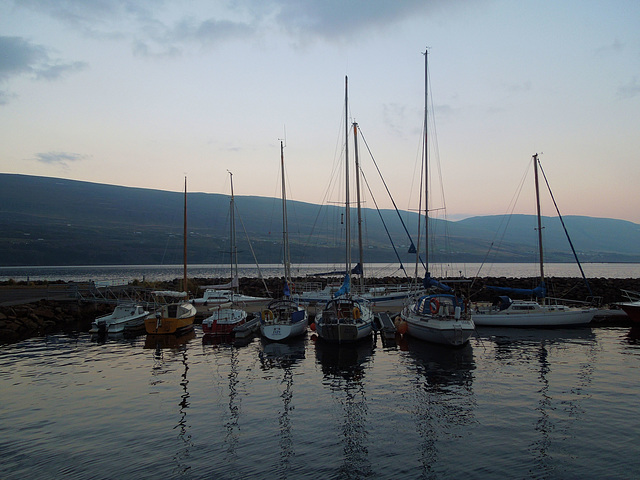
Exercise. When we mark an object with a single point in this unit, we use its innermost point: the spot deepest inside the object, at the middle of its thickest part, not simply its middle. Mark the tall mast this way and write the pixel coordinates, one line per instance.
(232, 236)
(346, 163)
(285, 234)
(360, 249)
(426, 159)
(184, 284)
(535, 170)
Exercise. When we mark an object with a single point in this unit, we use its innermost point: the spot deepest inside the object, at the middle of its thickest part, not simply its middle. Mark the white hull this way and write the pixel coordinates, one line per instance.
(215, 298)
(379, 298)
(283, 319)
(282, 331)
(440, 326)
(124, 317)
(535, 315)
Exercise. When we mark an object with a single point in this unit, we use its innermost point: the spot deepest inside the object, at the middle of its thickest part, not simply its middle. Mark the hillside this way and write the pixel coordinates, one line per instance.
(51, 221)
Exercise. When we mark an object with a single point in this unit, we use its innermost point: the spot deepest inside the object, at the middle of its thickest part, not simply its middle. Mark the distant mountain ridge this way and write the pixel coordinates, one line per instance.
(53, 221)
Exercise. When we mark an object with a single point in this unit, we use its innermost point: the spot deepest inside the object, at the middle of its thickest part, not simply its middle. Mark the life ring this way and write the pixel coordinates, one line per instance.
(434, 306)
(267, 314)
(356, 313)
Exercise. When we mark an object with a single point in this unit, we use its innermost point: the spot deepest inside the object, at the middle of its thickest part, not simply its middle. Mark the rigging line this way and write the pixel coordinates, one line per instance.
(575, 255)
(335, 171)
(383, 223)
(385, 186)
(252, 252)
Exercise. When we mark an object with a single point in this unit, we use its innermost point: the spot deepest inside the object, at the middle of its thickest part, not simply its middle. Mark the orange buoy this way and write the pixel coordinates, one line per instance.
(402, 327)
(313, 327)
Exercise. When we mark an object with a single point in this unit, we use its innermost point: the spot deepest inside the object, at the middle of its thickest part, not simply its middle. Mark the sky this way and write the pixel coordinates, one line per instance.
(141, 93)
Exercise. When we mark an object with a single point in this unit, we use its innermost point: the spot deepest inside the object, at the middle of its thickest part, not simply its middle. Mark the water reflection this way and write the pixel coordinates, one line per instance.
(633, 337)
(444, 399)
(557, 394)
(283, 356)
(226, 356)
(177, 345)
(344, 368)
(228, 340)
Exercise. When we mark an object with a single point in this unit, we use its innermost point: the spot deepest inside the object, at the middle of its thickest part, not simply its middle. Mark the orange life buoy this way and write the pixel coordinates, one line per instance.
(434, 306)
(267, 314)
(356, 313)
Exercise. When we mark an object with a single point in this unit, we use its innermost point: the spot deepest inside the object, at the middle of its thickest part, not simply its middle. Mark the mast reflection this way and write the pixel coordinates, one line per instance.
(444, 398)
(178, 346)
(284, 356)
(344, 368)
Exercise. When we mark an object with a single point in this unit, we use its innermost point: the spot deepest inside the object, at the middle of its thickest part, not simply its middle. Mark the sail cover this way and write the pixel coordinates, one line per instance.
(345, 288)
(539, 292)
(429, 282)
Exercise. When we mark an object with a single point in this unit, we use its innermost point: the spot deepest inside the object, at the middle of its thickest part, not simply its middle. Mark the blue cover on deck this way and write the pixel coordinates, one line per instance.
(297, 316)
(429, 282)
(539, 292)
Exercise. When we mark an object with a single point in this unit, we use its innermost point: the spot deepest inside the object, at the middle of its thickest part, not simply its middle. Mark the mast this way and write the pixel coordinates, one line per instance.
(426, 160)
(360, 248)
(285, 234)
(184, 284)
(346, 163)
(232, 236)
(535, 171)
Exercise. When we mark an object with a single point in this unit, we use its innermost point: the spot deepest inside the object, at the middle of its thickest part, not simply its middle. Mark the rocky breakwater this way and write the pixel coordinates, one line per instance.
(43, 317)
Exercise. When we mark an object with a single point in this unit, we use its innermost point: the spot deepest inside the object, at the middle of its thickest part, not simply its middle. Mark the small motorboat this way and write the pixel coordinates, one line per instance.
(126, 316)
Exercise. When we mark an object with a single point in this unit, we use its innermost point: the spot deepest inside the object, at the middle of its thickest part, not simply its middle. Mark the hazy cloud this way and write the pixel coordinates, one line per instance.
(19, 56)
(59, 158)
(143, 21)
(23, 57)
(629, 90)
(340, 19)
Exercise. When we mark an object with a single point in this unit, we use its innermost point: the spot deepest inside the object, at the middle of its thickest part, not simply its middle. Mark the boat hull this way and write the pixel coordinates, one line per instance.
(339, 323)
(438, 319)
(124, 317)
(283, 319)
(224, 321)
(167, 325)
(171, 319)
(632, 309)
(537, 318)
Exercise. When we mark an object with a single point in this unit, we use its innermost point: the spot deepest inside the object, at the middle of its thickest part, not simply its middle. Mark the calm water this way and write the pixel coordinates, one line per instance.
(127, 273)
(512, 404)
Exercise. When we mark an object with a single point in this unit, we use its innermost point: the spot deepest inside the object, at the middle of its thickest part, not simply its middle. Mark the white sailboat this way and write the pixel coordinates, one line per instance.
(346, 317)
(225, 317)
(531, 313)
(436, 317)
(284, 318)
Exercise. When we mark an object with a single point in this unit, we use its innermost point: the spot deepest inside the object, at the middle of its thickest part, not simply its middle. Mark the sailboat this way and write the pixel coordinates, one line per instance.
(216, 297)
(224, 319)
(346, 317)
(439, 317)
(173, 313)
(531, 313)
(284, 318)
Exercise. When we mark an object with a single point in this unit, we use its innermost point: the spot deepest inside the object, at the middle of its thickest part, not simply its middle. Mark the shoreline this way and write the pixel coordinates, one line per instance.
(42, 308)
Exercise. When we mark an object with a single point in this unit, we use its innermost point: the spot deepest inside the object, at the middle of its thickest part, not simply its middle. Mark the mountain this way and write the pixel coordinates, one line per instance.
(52, 221)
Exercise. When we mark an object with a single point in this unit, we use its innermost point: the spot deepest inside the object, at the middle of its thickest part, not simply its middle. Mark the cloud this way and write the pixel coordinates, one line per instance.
(23, 57)
(145, 22)
(629, 90)
(19, 56)
(59, 158)
(340, 19)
